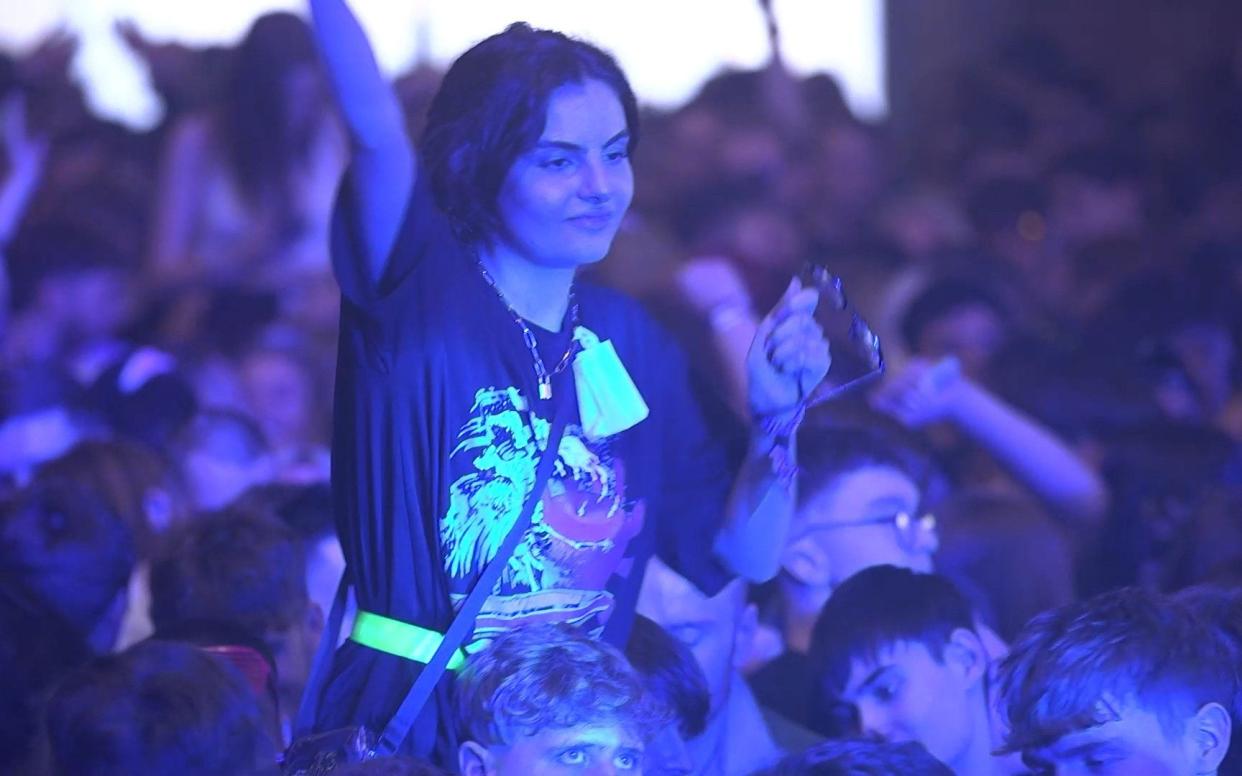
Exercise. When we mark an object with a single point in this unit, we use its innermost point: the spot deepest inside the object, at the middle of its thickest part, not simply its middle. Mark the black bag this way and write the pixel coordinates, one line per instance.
(321, 753)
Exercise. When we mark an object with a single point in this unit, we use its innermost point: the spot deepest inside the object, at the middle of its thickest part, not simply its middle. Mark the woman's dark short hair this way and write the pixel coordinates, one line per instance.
(492, 107)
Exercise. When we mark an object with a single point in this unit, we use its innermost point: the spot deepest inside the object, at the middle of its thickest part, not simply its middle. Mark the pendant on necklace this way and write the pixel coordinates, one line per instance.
(545, 389)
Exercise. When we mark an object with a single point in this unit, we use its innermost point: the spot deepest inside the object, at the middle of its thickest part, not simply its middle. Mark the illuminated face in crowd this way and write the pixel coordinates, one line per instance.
(865, 517)
(715, 628)
(1136, 743)
(563, 200)
(908, 694)
(598, 749)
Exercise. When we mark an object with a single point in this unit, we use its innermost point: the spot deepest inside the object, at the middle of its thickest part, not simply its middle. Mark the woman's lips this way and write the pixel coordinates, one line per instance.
(593, 221)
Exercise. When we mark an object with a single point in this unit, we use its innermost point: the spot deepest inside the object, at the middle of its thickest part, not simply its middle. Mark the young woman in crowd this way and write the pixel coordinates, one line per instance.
(462, 332)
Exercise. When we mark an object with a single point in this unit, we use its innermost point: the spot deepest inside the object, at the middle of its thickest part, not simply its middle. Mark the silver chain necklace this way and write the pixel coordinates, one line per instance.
(541, 371)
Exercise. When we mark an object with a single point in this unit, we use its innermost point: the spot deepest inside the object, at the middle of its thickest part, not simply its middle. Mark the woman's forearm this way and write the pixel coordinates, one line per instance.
(760, 509)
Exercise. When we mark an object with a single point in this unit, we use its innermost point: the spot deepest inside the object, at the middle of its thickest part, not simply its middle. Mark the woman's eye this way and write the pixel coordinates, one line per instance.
(616, 156)
(558, 163)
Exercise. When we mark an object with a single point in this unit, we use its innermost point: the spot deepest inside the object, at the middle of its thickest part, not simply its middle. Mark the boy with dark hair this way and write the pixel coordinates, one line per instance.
(861, 757)
(1129, 682)
(245, 569)
(547, 699)
(159, 708)
(903, 648)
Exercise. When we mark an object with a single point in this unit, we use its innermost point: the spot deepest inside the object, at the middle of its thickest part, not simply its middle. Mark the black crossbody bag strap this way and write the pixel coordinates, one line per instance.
(463, 623)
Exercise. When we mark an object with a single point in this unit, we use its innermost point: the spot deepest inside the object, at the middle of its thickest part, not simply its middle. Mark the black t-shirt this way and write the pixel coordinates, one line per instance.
(438, 430)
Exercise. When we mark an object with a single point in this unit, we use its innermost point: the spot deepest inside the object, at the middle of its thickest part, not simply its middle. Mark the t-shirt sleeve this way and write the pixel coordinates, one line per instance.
(695, 480)
(423, 229)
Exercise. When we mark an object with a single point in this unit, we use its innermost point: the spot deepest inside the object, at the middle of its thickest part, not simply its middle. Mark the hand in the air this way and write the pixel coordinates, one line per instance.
(922, 393)
(789, 356)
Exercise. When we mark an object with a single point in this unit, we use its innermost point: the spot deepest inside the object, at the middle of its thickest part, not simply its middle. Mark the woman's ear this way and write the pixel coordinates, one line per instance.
(1211, 729)
(473, 759)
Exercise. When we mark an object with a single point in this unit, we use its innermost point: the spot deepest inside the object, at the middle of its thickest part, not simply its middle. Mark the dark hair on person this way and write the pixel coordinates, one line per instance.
(876, 608)
(1221, 608)
(941, 297)
(233, 566)
(828, 452)
(260, 145)
(861, 757)
(671, 674)
(61, 542)
(157, 708)
(492, 107)
(537, 677)
(306, 509)
(136, 482)
(36, 649)
(248, 653)
(1124, 644)
(154, 411)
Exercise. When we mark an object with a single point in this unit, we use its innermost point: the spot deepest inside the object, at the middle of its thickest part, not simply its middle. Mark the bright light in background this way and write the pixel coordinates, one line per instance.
(667, 47)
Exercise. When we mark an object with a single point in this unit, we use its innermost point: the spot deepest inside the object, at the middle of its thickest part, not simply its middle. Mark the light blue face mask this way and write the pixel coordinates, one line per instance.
(608, 400)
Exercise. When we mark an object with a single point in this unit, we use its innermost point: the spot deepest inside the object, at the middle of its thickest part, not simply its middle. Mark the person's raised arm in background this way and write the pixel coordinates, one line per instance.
(926, 392)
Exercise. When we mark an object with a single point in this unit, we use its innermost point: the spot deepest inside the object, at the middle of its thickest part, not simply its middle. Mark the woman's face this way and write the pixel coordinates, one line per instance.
(563, 200)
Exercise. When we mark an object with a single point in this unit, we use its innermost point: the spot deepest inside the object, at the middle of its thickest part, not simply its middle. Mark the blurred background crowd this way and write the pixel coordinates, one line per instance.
(1053, 264)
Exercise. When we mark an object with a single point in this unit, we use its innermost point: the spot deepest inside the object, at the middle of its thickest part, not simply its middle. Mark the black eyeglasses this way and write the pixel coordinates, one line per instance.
(864, 340)
(911, 530)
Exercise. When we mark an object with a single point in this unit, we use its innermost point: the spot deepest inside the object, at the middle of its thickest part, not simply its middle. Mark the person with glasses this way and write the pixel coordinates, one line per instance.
(860, 498)
(859, 504)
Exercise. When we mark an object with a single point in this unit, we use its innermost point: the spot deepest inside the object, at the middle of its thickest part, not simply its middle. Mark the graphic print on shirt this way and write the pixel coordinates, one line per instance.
(579, 531)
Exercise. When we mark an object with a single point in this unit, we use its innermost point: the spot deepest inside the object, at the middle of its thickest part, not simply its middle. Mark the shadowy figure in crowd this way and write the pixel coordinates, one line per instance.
(157, 708)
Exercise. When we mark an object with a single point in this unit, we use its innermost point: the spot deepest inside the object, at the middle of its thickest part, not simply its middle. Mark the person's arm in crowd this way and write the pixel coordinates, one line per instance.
(926, 393)
(183, 165)
(383, 166)
(787, 358)
(716, 293)
(27, 154)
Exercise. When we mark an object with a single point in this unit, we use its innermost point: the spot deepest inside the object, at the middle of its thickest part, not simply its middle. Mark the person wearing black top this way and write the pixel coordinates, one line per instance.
(462, 324)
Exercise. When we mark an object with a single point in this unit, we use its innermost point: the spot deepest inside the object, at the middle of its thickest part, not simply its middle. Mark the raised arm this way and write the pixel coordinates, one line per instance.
(383, 165)
(926, 393)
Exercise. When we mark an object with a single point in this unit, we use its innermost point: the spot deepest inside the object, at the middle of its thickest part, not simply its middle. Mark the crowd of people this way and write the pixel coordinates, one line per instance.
(1019, 551)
